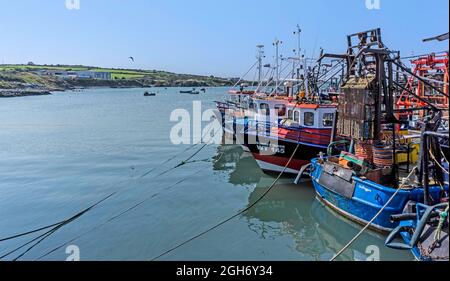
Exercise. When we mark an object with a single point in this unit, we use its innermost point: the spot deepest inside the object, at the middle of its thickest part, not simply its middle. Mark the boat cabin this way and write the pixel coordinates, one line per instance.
(310, 116)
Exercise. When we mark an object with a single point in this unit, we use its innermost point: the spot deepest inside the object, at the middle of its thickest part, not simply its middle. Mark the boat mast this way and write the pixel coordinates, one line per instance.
(277, 63)
(299, 53)
(260, 66)
(298, 33)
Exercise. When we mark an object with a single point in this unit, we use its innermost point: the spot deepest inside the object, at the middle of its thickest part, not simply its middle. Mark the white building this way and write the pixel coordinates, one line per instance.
(86, 74)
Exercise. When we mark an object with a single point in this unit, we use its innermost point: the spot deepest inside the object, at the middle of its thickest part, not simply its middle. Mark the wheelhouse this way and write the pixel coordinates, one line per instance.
(310, 116)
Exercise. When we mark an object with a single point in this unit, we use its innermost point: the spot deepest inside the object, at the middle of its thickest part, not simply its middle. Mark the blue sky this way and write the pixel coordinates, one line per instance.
(213, 37)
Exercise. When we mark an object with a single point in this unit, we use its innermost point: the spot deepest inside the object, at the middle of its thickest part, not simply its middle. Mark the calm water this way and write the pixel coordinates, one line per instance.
(61, 153)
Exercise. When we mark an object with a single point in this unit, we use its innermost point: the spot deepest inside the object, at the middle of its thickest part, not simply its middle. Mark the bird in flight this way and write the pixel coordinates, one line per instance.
(131, 58)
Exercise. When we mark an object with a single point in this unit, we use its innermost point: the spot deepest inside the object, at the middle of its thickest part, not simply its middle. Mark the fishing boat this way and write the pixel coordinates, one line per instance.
(292, 127)
(303, 128)
(360, 199)
(192, 92)
(281, 114)
(365, 183)
(424, 228)
(147, 94)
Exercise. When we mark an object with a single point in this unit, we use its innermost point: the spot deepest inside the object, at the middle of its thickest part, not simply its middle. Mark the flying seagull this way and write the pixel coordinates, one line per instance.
(438, 38)
(131, 58)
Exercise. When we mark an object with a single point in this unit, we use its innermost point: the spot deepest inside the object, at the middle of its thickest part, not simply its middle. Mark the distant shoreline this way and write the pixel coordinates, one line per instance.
(36, 80)
(13, 93)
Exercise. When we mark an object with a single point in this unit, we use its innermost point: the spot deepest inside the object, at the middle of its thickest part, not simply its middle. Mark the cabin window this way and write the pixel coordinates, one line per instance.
(328, 119)
(297, 116)
(308, 119)
(291, 114)
(280, 109)
(265, 109)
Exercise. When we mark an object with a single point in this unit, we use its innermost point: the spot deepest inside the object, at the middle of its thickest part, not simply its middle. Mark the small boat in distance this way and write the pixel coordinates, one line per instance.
(192, 92)
(147, 94)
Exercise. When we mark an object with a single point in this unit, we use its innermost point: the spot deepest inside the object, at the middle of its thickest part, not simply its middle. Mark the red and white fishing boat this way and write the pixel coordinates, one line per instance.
(306, 125)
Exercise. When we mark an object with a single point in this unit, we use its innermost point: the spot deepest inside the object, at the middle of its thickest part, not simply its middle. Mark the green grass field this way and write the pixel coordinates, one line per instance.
(153, 77)
(115, 73)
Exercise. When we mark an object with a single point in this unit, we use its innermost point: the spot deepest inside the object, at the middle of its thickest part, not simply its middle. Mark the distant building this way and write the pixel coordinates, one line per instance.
(100, 75)
(51, 72)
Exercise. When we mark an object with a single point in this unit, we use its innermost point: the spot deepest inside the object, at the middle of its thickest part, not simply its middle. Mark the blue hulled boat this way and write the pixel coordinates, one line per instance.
(365, 183)
(424, 227)
(361, 199)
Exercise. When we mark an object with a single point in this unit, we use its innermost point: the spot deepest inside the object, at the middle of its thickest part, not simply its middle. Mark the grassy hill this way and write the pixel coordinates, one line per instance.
(27, 74)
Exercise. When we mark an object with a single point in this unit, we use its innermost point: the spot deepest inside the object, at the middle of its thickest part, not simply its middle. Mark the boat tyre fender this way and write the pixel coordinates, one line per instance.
(417, 234)
(396, 234)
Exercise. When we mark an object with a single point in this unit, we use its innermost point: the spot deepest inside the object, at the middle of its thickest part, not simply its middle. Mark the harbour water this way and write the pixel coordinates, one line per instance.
(62, 153)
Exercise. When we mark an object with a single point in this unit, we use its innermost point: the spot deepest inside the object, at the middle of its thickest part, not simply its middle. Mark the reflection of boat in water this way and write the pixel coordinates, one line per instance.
(241, 165)
(292, 212)
(317, 233)
(337, 231)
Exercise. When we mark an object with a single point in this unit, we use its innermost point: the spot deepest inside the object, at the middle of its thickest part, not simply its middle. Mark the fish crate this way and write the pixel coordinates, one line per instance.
(348, 160)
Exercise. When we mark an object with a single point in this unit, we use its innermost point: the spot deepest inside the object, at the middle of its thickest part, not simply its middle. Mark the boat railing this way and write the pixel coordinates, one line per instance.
(303, 133)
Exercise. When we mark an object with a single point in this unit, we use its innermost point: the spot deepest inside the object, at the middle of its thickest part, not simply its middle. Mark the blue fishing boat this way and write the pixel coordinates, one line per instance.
(360, 199)
(424, 228)
(365, 183)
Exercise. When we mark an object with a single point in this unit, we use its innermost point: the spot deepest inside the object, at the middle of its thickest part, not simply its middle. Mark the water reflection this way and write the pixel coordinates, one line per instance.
(293, 210)
(240, 166)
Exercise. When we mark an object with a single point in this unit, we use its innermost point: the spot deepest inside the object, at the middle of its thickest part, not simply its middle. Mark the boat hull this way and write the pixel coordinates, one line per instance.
(366, 199)
(274, 156)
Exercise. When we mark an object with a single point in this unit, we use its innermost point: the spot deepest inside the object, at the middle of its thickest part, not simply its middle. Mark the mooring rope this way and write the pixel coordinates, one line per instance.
(54, 227)
(232, 217)
(168, 160)
(31, 231)
(184, 162)
(437, 162)
(376, 216)
(122, 213)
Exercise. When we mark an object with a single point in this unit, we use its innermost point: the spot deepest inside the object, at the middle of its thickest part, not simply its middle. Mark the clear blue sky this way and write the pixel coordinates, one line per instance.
(216, 37)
